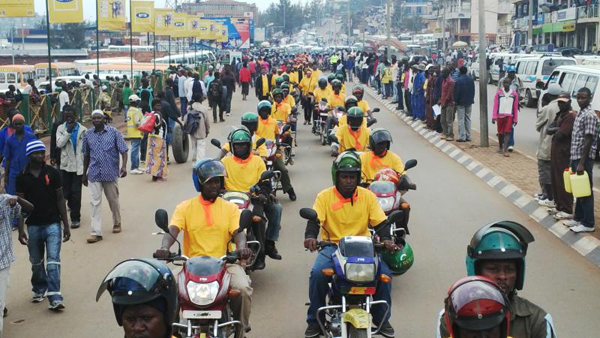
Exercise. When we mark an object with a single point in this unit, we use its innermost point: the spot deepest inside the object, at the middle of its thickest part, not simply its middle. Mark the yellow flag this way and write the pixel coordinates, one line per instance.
(179, 25)
(143, 16)
(204, 30)
(16, 8)
(62, 11)
(163, 21)
(111, 15)
(193, 26)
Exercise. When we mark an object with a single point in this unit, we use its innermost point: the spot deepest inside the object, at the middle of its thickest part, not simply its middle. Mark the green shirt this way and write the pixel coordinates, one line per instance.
(127, 92)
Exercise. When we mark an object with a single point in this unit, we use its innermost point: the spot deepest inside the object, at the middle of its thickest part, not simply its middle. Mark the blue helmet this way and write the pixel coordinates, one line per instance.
(511, 69)
(205, 169)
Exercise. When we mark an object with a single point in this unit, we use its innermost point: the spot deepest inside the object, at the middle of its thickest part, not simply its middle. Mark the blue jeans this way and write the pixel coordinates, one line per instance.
(170, 127)
(45, 277)
(584, 206)
(395, 90)
(135, 153)
(273, 213)
(183, 101)
(511, 139)
(318, 287)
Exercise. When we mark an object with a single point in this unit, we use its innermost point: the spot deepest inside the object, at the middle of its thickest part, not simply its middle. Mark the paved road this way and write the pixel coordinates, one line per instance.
(448, 207)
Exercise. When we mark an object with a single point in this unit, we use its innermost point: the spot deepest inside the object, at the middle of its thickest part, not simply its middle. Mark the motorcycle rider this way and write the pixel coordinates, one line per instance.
(380, 156)
(287, 97)
(359, 92)
(144, 297)
(353, 136)
(243, 172)
(279, 110)
(250, 121)
(208, 222)
(307, 86)
(477, 307)
(497, 251)
(345, 210)
(340, 77)
(337, 96)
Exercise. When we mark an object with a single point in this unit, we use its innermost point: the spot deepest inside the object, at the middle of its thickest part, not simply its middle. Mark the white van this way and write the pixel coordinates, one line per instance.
(573, 78)
(534, 69)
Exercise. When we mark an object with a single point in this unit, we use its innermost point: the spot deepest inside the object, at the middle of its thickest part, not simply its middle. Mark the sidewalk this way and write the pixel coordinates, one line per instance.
(515, 178)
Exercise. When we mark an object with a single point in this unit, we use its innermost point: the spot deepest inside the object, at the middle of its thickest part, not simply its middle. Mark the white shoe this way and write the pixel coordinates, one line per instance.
(547, 203)
(582, 228)
(562, 215)
(136, 171)
(571, 223)
(538, 196)
(511, 148)
(552, 211)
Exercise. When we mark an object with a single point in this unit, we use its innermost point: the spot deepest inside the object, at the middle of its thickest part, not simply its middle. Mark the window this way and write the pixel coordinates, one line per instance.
(554, 77)
(11, 78)
(531, 67)
(567, 81)
(2, 78)
(550, 64)
(41, 72)
(521, 67)
(588, 81)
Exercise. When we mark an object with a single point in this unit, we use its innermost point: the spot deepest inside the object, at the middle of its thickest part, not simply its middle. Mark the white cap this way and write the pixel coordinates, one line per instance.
(134, 98)
(98, 112)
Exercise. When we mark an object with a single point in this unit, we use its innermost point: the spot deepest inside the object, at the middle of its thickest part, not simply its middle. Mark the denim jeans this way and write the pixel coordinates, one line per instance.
(4, 279)
(388, 89)
(395, 91)
(463, 114)
(318, 287)
(170, 127)
(183, 102)
(584, 206)
(273, 213)
(45, 276)
(135, 153)
(511, 139)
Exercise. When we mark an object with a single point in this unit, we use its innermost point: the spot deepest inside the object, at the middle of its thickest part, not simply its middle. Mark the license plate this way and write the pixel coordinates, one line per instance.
(362, 290)
(191, 314)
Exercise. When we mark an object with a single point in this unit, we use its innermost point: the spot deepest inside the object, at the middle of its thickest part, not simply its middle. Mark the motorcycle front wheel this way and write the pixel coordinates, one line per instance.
(357, 333)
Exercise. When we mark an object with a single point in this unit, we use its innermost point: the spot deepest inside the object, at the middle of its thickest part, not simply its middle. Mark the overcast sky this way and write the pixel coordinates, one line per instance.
(89, 10)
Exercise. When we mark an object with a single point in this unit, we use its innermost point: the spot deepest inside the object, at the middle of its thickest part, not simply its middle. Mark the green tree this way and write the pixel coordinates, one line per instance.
(68, 35)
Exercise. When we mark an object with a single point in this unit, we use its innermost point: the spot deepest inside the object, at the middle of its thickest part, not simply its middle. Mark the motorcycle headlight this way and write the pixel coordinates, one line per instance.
(202, 293)
(386, 203)
(360, 272)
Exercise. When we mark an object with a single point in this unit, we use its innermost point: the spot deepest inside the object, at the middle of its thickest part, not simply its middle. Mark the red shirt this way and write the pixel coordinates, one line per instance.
(245, 74)
(447, 92)
(252, 66)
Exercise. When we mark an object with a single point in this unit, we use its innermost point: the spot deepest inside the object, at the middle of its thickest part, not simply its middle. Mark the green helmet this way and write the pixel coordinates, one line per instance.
(240, 135)
(277, 91)
(379, 135)
(336, 83)
(285, 86)
(264, 104)
(350, 102)
(279, 80)
(330, 78)
(348, 161)
(355, 117)
(250, 121)
(340, 77)
(286, 78)
(504, 240)
(399, 262)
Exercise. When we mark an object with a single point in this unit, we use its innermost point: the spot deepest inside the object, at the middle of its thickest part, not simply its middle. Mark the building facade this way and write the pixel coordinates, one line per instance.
(222, 9)
(462, 21)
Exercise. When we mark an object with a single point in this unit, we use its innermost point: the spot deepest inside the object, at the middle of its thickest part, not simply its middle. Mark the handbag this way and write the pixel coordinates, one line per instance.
(147, 124)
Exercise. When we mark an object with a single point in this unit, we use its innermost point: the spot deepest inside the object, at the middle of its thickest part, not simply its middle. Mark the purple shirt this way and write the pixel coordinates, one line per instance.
(104, 149)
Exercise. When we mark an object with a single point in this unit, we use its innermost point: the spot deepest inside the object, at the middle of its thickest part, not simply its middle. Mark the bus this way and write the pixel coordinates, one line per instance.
(188, 58)
(16, 75)
(127, 48)
(58, 69)
(120, 69)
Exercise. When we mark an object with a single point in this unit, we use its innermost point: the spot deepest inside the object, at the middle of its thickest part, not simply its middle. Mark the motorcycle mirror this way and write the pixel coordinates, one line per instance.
(376, 110)
(245, 220)
(266, 175)
(260, 142)
(286, 128)
(410, 164)
(215, 143)
(395, 216)
(371, 122)
(161, 217)
(308, 214)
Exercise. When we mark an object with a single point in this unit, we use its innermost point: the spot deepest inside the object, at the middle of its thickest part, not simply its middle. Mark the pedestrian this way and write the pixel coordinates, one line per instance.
(157, 145)
(228, 81)
(10, 208)
(418, 94)
(196, 124)
(102, 146)
(41, 185)
(447, 104)
(170, 96)
(215, 98)
(408, 76)
(69, 139)
(400, 85)
(146, 88)
(181, 91)
(505, 114)
(387, 80)
(430, 100)
(464, 97)
(14, 152)
(170, 116)
(134, 120)
(561, 130)
(583, 151)
(127, 92)
(516, 84)
(209, 77)
(545, 117)
(245, 80)
(63, 97)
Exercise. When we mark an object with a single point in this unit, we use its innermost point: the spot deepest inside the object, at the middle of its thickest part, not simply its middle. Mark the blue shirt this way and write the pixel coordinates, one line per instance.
(208, 79)
(74, 133)
(464, 91)
(14, 150)
(104, 149)
(4, 134)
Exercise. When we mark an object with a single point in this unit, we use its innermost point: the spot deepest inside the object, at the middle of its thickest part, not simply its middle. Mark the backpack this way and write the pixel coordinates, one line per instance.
(192, 123)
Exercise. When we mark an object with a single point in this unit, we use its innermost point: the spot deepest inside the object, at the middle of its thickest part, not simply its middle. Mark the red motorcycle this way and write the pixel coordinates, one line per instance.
(203, 286)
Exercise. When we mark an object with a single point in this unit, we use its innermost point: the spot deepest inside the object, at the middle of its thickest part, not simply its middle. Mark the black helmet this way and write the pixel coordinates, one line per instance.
(355, 117)
(379, 135)
(336, 83)
(350, 102)
(205, 169)
(322, 82)
(142, 281)
(357, 91)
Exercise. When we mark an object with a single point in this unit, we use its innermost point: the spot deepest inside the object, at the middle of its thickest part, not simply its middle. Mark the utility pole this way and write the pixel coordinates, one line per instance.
(387, 28)
(483, 108)
(530, 28)
(131, 39)
(349, 23)
(444, 41)
(49, 48)
(97, 40)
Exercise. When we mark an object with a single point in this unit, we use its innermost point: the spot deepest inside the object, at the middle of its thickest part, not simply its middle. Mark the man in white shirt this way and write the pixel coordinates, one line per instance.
(63, 97)
(395, 78)
(183, 100)
(189, 83)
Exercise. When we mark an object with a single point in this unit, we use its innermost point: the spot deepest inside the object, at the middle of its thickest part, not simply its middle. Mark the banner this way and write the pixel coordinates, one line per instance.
(143, 16)
(111, 15)
(62, 11)
(243, 30)
(222, 36)
(193, 26)
(179, 25)
(16, 8)
(164, 21)
(204, 32)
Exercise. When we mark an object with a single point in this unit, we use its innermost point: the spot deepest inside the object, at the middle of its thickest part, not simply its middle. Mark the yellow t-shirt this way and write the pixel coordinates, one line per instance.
(242, 174)
(317, 74)
(347, 219)
(289, 100)
(343, 90)
(343, 121)
(336, 100)
(201, 238)
(347, 140)
(308, 84)
(364, 105)
(293, 77)
(134, 118)
(265, 85)
(280, 111)
(262, 150)
(267, 128)
(371, 164)
(321, 93)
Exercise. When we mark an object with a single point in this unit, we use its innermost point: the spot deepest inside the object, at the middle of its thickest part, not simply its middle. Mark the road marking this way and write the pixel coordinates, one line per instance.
(586, 244)
(484, 171)
(522, 201)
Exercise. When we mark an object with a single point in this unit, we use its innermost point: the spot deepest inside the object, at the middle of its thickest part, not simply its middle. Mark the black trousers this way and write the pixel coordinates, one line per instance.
(400, 85)
(407, 101)
(72, 190)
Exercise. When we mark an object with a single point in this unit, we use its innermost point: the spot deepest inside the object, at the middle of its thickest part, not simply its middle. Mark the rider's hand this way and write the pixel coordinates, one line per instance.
(311, 244)
(390, 246)
(162, 253)
(245, 253)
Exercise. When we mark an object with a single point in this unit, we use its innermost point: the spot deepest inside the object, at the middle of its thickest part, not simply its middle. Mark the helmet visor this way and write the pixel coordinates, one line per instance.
(211, 169)
(478, 305)
(130, 282)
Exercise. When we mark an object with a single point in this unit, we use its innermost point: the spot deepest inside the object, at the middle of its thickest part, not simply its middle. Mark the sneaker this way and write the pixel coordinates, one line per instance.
(562, 215)
(313, 330)
(75, 224)
(552, 211)
(292, 194)
(136, 171)
(450, 138)
(56, 305)
(539, 196)
(116, 228)
(387, 330)
(511, 148)
(571, 223)
(582, 228)
(94, 239)
(38, 297)
(547, 203)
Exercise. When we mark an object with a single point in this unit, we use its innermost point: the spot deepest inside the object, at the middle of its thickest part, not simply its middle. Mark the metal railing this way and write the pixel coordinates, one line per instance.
(587, 12)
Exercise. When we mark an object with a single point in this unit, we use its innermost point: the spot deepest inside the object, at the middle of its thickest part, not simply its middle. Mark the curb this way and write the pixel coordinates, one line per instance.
(585, 244)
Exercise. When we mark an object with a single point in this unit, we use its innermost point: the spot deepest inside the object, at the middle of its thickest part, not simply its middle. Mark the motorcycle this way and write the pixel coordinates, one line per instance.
(353, 284)
(203, 287)
(285, 142)
(340, 111)
(320, 123)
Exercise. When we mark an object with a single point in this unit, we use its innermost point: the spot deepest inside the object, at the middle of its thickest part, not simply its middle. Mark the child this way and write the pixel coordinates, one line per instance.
(134, 119)
(197, 126)
(506, 109)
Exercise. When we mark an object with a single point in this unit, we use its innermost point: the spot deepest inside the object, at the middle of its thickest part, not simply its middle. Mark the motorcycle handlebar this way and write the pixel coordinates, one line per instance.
(173, 257)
